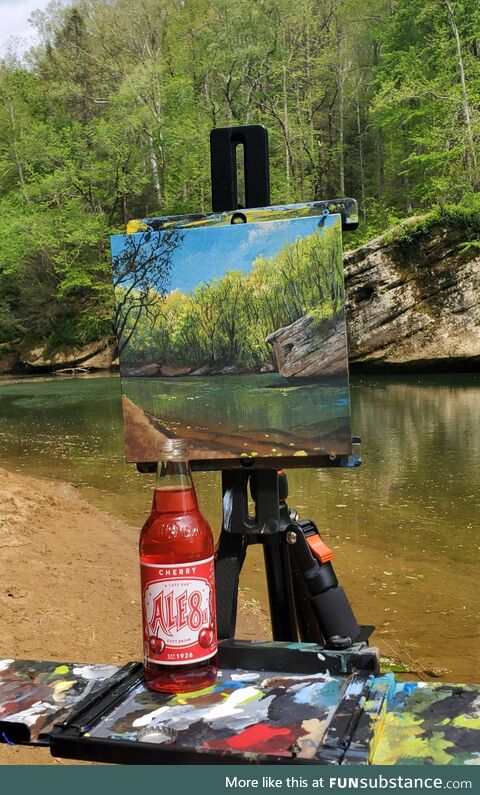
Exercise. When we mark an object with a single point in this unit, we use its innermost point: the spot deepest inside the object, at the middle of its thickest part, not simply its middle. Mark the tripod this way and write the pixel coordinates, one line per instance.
(306, 601)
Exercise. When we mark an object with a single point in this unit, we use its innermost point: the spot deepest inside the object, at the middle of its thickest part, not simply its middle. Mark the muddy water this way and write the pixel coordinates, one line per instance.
(404, 526)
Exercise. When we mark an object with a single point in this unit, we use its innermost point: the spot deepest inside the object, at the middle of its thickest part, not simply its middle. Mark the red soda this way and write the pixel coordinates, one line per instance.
(178, 588)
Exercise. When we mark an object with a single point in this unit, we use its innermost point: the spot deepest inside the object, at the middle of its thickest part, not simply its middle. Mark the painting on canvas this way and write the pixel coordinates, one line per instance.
(234, 338)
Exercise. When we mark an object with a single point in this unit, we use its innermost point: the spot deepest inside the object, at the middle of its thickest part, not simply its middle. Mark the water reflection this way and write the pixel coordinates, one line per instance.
(404, 525)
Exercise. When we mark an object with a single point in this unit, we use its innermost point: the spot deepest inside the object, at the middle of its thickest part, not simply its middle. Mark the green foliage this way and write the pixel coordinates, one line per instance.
(225, 322)
(107, 119)
(465, 217)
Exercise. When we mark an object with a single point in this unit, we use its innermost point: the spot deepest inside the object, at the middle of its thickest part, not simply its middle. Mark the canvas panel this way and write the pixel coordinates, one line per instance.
(233, 337)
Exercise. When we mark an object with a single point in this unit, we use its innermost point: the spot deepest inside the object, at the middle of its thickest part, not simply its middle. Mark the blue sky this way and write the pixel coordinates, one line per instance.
(208, 253)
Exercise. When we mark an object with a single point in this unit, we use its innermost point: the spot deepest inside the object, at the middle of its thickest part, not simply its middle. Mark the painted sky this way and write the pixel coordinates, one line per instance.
(208, 253)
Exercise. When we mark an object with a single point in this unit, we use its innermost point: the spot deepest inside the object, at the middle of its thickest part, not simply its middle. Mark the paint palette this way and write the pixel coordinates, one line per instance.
(34, 695)
(271, 702)
(265, 713)
(289, 704)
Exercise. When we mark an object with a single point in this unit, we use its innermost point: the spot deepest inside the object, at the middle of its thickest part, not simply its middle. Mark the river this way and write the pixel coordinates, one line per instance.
(404, 526)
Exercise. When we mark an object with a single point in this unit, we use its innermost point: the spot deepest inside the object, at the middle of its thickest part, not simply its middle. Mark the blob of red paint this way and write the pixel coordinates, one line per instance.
(261, 738)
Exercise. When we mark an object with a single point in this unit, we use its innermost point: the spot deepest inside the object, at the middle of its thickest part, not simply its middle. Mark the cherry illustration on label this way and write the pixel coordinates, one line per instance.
(206, 637)
(157, 645)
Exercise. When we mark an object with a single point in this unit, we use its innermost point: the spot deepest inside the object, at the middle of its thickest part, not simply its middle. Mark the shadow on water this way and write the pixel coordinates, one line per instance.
(403, 525)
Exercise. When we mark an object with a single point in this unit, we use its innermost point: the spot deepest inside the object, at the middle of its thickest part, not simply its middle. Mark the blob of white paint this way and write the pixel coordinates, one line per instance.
(29, 716)
(144, 720)
(231, 705)
(95, 671)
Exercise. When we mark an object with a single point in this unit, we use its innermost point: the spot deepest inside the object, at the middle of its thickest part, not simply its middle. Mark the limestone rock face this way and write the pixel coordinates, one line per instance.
(414, 303)
(174, 372)
(145, 371)
(308, 347)
(96, 356)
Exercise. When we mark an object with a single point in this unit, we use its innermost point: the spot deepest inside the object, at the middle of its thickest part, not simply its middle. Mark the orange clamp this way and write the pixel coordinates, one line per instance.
(319, 548)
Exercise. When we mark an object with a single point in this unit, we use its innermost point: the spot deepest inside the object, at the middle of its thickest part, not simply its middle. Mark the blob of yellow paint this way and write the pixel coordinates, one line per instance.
(61, 669)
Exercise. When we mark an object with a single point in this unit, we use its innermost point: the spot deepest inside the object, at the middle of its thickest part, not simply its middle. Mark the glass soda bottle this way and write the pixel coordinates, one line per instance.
(177, 576)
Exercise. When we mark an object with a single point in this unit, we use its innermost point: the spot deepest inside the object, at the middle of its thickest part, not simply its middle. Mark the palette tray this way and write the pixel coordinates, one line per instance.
(264, 715)
(280, 703)
(271, 702)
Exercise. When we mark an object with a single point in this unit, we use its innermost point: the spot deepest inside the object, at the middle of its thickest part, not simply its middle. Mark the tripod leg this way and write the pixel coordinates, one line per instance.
(280, 591)
(228, 565)
(264, 486)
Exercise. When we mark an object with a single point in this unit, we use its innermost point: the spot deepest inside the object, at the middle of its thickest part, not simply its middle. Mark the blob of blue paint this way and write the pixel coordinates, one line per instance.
(7, 740)
(319, 694)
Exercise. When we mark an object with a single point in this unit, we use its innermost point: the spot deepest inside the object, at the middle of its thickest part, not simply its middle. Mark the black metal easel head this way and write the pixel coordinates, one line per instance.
(227, 144)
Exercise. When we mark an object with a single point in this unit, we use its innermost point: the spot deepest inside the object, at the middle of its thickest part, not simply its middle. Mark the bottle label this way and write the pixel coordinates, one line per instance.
(179, 612)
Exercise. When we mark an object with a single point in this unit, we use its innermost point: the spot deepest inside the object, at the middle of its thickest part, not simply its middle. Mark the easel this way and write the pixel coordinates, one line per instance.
(305, 599)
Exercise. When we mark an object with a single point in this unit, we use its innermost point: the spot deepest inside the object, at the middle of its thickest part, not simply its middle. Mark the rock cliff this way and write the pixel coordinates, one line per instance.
(309, 347)
(413, 298)
(95, 356)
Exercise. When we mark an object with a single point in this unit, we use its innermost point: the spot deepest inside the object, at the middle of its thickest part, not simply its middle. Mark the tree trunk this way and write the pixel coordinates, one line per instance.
(361, 159)
(20, 173)
(341, 135)
(155, 169)
(467, 113)
(406, 181)
(285, 122)
(380, 165)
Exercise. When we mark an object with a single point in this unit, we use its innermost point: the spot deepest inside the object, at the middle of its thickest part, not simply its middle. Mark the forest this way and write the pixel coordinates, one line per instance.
(107, 118)
(225, 322)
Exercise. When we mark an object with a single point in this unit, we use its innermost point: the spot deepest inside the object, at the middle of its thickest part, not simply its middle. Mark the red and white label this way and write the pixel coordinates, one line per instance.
(179, 612)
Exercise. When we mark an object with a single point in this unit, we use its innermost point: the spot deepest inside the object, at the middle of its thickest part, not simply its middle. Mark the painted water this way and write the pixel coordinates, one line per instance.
(404, 526)
(237, 415)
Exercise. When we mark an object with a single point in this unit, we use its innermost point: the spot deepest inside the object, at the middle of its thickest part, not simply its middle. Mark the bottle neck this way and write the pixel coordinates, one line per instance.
(174, 489)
